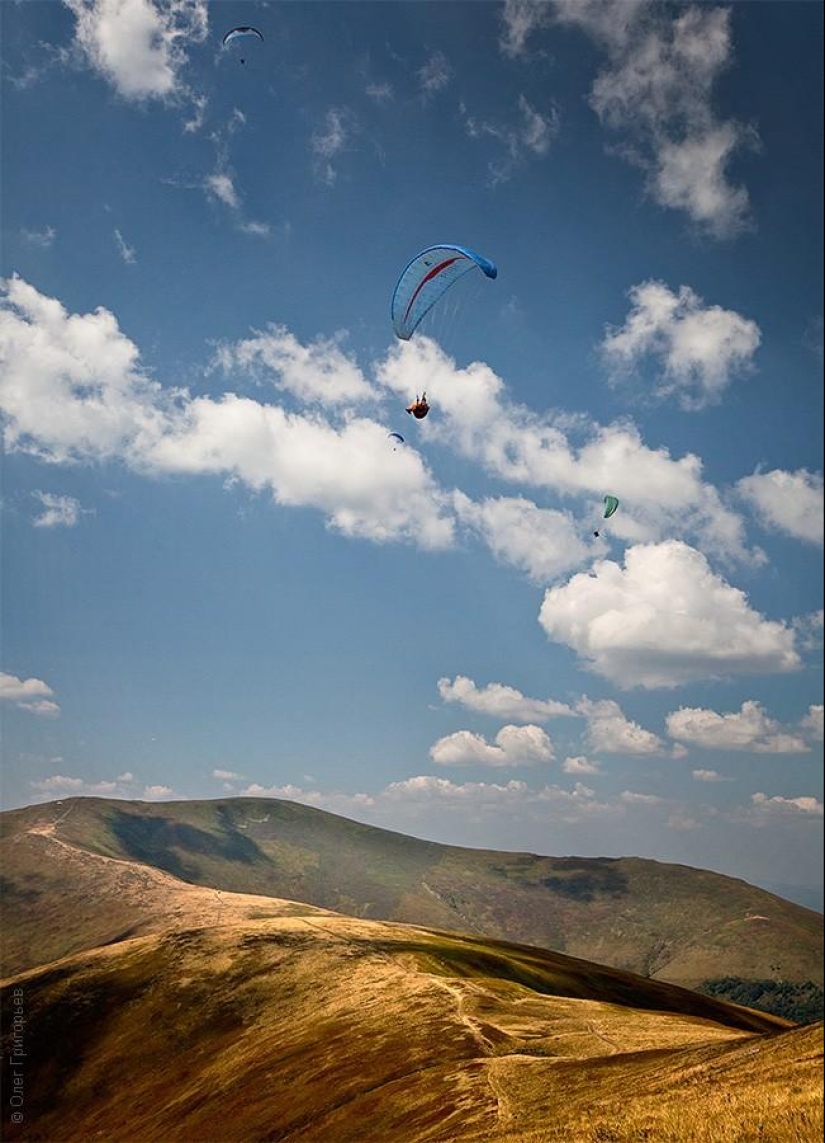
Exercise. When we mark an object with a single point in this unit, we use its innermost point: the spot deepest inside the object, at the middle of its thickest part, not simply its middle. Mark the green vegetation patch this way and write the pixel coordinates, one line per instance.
(801, 1002)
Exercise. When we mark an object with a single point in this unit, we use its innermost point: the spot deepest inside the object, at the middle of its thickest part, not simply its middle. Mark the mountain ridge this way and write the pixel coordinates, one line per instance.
(665, 921)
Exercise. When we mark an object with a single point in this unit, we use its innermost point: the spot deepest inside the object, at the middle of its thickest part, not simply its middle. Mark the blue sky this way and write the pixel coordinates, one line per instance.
(220, 578)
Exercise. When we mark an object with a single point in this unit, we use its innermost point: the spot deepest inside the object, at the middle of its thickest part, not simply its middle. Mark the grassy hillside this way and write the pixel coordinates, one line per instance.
(329, 1028)
(668, 922)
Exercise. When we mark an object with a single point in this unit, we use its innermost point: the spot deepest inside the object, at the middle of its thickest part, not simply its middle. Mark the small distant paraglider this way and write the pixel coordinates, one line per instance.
(240, 35)
(396, 439)
(611, 503)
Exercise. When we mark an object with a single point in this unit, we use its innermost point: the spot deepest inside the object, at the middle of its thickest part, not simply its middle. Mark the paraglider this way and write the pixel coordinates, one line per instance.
(611, 503)
(419, 408)
(422, 284)
(427, 278)
(396, 438)
(241, 33)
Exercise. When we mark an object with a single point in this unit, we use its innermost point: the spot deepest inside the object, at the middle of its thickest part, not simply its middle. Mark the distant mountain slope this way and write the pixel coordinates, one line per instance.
(315, 1029)
(59, 899)
(668, 922)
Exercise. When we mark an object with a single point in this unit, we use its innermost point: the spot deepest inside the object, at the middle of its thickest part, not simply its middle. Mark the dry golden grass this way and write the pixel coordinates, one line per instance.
(324, 1029)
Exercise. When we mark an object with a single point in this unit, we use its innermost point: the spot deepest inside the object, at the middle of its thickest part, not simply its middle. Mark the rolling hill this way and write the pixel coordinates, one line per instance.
(319, 1028)
(666, 922)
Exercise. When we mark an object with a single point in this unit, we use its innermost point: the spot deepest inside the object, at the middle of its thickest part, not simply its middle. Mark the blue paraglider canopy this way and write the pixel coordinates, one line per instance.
(427, 278)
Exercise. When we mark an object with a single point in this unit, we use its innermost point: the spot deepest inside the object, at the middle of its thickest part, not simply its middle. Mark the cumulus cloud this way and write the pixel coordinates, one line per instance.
(812, 723)
(139, 46)
(425, 793)
(157, 793)
(60, 784)
(611, 732)
(790, 502)
(72, 388)
(663, 619)
(319, 372)
(580, 765)
(747, 729)
(707, 776)
(514, 746)
(31, 694)
(656, 92)
(661, 495)
(699, 348)
(500, 701)
(226, 775)
(59, 511)
(632, 798)
(542, 542)
(778, 805)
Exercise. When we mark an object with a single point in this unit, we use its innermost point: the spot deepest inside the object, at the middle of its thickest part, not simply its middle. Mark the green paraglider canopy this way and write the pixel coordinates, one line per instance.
(611, 503)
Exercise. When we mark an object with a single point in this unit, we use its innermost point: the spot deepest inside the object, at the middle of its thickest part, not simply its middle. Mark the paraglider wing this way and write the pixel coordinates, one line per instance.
(396, 437)
(236, 34)
(611, 503)
(426, 278)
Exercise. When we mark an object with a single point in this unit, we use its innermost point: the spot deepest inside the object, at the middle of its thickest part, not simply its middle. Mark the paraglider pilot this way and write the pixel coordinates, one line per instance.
(419, 408)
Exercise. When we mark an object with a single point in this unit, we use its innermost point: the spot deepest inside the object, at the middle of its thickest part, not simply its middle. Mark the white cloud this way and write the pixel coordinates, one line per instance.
(31, 694)
(630, 798)
(72, 388)
(700, 348)
(747, 729)
(663, 619)
(580, 765)
(126, 252)
(542, 542)
(611, 732)
(59, 783)
(256, 229)
(514, 746)
(708, 776)
(221, 185)
(139, 46)
(435, 74)
(813, 721)
(156, 793)
(319, 372)
(791, 502)
(226, 775)
(380, 92)
(500, 701)
(58, 511)
(330, 140)
(809, 630)
(661, 496)
(657, 88)
(785, 806)
(531, 133)
(42, 238)
(520, 18)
